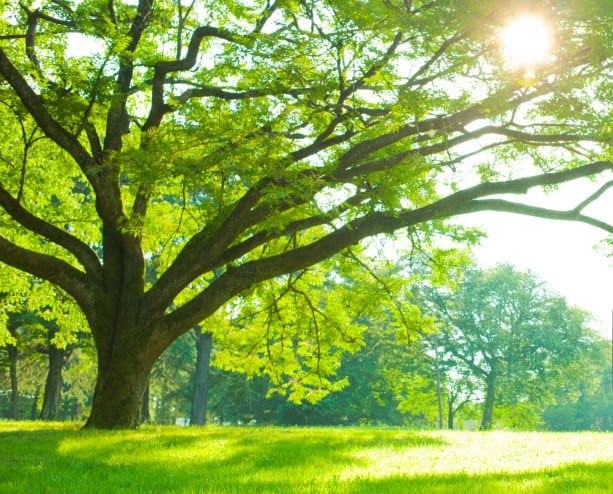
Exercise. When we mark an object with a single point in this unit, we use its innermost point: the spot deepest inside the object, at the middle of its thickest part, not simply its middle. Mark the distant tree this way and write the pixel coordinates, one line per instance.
(170, 385)
(503, 328)
(25, 365)
(41, 321)
(200, 394)
(585, 403)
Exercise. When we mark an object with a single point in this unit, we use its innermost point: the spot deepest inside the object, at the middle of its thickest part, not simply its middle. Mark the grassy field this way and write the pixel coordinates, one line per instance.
(58, 458)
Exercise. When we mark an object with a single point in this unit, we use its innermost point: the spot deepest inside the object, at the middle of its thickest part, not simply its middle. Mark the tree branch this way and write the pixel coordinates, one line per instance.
(438, 54)
(80, 250)
(190, 263)
(117, 121)
(539, 138)
(46, 122)
(158, 106)
(582, 205)
(199, 91)
(236, 280)
(506, 97)
(517, 208)
(46, 267)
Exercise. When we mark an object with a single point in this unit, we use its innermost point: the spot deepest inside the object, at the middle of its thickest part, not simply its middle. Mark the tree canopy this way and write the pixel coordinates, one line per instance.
(161, 157)
(505, 331)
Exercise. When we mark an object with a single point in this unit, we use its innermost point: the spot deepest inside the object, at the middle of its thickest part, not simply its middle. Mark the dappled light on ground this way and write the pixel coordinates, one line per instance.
(317, 460)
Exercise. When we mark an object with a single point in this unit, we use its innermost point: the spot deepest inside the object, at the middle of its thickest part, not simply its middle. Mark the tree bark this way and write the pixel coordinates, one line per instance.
(13, 355)
(200, 395)
(488, 406)
(53, 384)
(122, 380)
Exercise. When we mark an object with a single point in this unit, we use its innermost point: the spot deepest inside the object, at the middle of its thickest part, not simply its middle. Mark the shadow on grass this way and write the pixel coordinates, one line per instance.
(247, 460)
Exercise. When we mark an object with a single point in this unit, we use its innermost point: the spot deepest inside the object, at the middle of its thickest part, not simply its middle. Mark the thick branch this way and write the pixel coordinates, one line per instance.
(46, 122)
(80, 250)
(117, 118)
(191, 262)
(199, 91)
(262, 237)
(56, 271)
(236, 280)
(108, 203)
(456, 203)
(517, 208)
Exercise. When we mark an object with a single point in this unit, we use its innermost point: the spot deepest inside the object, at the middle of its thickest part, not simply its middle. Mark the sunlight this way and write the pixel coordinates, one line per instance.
(526, 42)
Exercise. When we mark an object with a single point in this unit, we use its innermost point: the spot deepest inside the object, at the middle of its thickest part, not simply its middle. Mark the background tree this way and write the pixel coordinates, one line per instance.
(200, 396)
(584, 402)
(25, 364)
(45, 327)
(508, 332)
(232, 143)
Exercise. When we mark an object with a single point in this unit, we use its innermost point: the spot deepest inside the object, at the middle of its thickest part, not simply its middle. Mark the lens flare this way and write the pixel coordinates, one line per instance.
(526, 42)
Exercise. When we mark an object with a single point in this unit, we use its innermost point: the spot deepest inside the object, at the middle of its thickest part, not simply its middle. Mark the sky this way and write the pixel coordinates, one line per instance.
(569, 256)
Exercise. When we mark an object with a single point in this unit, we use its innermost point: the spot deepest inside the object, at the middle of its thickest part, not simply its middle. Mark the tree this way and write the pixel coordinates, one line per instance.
(24, 362)
(585, 402)
(41, 320)
(57, 359)
(227, 143)
(503, 329)
(204, 347)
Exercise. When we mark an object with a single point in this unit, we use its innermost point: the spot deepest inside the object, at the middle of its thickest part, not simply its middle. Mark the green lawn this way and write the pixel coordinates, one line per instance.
(58, 458)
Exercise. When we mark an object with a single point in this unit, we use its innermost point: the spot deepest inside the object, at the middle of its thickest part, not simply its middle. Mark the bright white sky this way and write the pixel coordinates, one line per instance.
(564, 254)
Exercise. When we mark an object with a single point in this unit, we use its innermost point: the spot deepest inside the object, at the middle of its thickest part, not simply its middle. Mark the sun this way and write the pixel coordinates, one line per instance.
(526, 42)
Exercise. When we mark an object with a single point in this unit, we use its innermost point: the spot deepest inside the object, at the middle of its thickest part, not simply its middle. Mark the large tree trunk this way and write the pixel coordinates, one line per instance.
(53, 384)
(120, 386)
(200, 395)
(488, 406)
(13, 355)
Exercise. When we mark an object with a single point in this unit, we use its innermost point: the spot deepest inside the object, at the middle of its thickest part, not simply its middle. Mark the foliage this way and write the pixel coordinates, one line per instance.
(586, 402)
(505, 331)
(394, 383)
(184, 154)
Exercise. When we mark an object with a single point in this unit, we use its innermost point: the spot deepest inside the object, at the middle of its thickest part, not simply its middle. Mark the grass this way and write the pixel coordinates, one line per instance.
(58, 458)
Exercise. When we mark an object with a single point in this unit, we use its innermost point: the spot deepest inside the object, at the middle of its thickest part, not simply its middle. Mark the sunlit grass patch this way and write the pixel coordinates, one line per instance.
(57, 458)
(479, 452)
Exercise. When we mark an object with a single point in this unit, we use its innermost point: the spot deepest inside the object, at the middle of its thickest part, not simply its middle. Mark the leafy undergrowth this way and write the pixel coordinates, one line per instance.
(58, 458)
